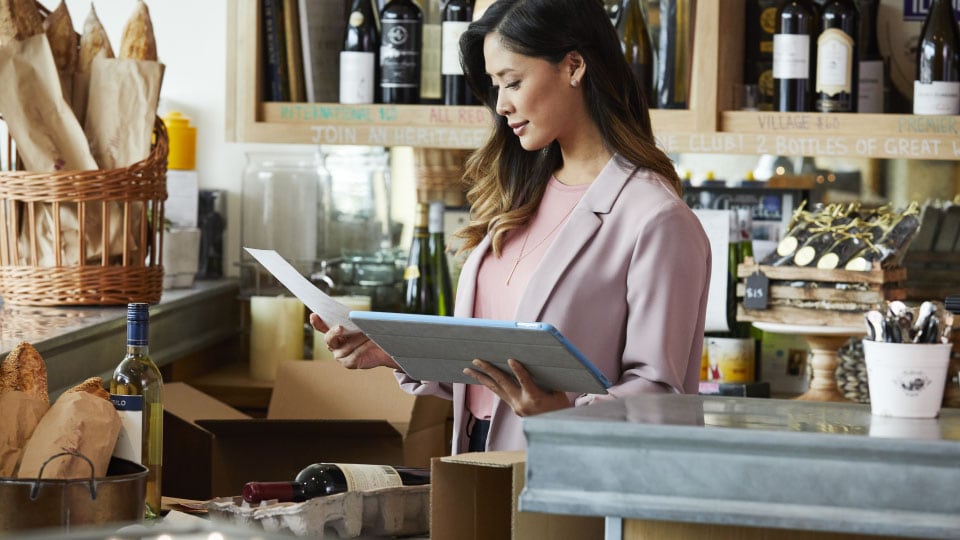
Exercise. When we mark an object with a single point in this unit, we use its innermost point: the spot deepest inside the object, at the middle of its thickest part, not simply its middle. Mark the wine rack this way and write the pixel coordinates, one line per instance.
(708, 126)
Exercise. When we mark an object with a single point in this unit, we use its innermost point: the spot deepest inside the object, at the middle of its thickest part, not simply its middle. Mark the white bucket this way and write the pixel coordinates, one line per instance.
(906, 380)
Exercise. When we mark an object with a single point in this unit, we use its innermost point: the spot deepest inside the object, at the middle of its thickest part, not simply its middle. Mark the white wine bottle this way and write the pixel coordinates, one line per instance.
(358, 56)
(838, 71)
(438, 258)
(936, 89)
(637, 47)
(420, 290)
(136, 391)
(431, 87)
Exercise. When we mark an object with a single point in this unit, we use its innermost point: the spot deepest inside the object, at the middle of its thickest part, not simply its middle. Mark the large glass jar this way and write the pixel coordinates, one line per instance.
(360, 221)
(284, 198)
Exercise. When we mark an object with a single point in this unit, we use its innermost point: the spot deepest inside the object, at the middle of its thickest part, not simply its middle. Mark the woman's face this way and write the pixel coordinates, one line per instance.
(534, 95)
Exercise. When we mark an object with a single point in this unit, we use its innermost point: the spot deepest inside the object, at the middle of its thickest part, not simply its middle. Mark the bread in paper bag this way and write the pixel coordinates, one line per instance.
(19, 19)
(77, 421)
(93, 43)
(21, 412)
(138, 41)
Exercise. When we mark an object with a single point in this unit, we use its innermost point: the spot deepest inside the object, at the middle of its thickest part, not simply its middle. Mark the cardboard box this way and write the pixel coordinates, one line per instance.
(474, 497)
(319, 411)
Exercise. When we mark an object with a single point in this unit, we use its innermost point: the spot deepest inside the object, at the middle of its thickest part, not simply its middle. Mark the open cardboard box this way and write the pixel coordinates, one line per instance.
(474, 497)
(319, 411)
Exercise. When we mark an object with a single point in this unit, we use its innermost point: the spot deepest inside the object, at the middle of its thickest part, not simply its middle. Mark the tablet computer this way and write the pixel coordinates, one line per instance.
(434, 348)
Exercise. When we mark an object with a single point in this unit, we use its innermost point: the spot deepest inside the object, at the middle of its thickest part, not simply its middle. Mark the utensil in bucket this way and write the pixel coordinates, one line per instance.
(906, 380)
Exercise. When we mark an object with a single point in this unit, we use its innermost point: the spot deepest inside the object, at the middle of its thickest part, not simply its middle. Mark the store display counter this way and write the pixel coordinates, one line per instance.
(81, 342)
(695, 465)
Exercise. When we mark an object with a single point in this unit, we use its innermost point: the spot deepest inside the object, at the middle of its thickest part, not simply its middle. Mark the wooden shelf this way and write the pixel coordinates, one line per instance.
(707, 127)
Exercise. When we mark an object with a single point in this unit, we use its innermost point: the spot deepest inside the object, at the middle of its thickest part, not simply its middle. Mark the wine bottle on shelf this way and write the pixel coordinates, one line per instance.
(431, 82)
(936, 89)
(438, 258)
(761, 20)
(401, 24)
(457, 15)
(321, 479)
(675, 53)
(358, 56)
(637, 47)
(794, 47)
(420, 290)
(872, 75)
(136, 390)
(837, 57)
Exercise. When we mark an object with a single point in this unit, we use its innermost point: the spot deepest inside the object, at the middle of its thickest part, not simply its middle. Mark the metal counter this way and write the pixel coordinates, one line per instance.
(752, 462)
(81, 342)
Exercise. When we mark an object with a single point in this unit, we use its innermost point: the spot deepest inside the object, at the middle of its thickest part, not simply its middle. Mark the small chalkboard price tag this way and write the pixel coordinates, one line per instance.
(756, 291)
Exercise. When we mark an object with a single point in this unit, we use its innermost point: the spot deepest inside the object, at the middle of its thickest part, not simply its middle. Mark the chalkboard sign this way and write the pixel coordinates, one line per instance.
(756, 291)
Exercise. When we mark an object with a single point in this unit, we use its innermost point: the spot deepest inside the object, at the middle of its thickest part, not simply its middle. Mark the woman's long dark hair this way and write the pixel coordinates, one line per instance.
(507, 182)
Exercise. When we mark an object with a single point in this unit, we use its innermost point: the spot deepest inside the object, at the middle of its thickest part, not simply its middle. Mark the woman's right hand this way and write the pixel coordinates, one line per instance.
(353, 351)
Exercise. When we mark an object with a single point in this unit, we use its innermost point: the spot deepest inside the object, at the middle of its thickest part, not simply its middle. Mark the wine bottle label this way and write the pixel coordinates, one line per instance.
(356, 76)
(452, 30)
(938, 97)
(130, 441)
(791, 56)
(870, 99)
(834, 62)
(367, 477)
(400, 54)
(431, 85)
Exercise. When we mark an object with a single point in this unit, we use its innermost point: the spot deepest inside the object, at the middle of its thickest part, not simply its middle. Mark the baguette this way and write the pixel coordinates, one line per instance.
(93, 41)
(138, 42)
(19, 19)
(63, 40)
(24, 369)
(93, 385)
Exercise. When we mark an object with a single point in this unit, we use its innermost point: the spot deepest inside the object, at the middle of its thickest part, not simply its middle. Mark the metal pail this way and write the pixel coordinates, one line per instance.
(38, 503)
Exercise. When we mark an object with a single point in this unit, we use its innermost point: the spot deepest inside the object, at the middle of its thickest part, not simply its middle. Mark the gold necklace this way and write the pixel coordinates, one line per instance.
(523, 245)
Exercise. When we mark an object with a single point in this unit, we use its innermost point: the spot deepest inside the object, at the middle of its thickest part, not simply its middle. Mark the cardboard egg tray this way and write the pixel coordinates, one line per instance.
(398, 511)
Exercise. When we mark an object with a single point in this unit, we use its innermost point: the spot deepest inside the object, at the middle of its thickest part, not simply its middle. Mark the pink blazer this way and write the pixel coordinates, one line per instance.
(625, 281)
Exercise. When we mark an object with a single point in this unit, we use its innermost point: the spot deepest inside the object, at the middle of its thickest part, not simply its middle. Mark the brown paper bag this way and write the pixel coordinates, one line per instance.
(79, 422)
(49, 137)
(122, 109)
(20, 415)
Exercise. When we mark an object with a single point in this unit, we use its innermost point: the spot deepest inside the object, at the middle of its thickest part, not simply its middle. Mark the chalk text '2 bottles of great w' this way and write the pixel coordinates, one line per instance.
(136, 391)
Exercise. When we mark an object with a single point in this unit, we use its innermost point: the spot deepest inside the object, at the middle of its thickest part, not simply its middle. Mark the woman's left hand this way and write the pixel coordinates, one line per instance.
(522, 394)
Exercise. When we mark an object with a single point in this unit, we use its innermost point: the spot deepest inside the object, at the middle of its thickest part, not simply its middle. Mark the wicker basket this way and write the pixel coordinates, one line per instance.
(55, 226)
(439, 175)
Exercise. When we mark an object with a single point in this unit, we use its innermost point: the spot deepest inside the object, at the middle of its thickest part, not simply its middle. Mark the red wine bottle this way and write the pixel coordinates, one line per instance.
(358, 56)
(794, 47)
(872, 79)
(838, 67)
(401, 23)
(321, 479)
(936, 89)
(456, 17)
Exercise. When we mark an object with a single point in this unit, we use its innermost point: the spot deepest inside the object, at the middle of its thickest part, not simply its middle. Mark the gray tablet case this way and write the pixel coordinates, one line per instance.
(433, 348)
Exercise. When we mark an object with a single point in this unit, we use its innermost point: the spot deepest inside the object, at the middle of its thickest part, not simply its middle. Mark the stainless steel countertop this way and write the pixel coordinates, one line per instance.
(81, 342)
(754, 462)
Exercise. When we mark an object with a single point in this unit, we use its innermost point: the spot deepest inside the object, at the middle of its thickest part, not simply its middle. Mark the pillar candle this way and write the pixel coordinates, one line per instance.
(276, 333)
(353, 303)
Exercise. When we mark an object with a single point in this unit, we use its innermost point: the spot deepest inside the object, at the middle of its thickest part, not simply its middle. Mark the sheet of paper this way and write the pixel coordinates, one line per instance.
(317, 301)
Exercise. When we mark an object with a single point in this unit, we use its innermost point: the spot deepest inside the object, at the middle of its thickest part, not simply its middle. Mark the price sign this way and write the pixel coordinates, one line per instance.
(756, 291)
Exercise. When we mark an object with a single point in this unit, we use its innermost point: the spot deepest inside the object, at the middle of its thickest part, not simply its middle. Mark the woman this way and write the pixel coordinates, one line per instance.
(576, 220)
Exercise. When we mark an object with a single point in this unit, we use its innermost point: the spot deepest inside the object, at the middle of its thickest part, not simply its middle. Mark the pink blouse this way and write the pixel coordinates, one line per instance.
(502, 280)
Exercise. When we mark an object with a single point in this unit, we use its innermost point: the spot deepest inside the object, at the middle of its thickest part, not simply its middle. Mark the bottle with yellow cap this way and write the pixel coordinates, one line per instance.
(183, 142)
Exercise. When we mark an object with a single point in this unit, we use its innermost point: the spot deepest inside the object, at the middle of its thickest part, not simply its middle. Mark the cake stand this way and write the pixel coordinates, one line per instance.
(824, 341)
